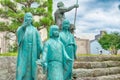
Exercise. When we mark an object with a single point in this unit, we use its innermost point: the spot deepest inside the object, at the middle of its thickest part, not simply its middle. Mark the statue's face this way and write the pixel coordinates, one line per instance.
(28, 18)
(55, 32)
(66, 24)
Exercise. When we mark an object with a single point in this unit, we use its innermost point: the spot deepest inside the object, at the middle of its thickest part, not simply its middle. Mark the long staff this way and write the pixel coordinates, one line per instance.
(75, 13)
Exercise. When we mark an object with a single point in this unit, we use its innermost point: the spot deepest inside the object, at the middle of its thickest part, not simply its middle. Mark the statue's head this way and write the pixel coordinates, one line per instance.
(60, 4)
(66, 24)
(54, 31)
(28, 18)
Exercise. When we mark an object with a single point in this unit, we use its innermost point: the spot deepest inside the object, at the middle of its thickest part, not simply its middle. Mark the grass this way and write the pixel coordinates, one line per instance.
(15, 54)
(87, 55)
(9, 54)
(96, 55)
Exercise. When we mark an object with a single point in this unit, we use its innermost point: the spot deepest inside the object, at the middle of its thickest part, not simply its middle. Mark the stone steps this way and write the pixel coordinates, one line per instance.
(90, 65)
(101, 67)
(109, 77)
(86, 68)
(95, 72)
(98, 58)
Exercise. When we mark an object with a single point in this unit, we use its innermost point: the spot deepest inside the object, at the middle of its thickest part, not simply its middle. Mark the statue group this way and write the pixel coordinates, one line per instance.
(58, 52)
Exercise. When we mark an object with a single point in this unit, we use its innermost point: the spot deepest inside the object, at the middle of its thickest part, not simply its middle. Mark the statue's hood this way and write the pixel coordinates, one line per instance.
(52, 28)
(65, 23)
(27, 14)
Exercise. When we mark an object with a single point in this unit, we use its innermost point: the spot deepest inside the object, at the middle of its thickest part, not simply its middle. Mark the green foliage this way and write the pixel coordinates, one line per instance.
(11, 11)
(110, 42)
(13, 48)
(3, 28)
(9, 54)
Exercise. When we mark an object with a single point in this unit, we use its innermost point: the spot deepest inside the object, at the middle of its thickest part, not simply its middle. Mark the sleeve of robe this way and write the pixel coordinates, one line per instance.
(44, 57)
(66, 59)
(20, 35)
(39, 45)
(75, 47)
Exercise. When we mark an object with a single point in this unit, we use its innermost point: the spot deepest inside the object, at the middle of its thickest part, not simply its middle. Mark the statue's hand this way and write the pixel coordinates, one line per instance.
(44, 68)
(76, 5)
(24, 24)
(69, 60)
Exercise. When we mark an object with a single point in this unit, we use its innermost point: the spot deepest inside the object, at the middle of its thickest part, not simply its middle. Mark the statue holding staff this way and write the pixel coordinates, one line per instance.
(60, 13)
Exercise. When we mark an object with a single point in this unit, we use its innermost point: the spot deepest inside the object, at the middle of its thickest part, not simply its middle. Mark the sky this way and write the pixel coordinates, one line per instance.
(93, 16)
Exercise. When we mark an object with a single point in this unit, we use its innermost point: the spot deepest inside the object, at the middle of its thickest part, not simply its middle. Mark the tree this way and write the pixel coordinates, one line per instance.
(14, 10)
(110, 42)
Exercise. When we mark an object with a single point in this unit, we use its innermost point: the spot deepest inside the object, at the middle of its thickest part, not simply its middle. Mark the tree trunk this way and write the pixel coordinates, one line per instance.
(114, 51)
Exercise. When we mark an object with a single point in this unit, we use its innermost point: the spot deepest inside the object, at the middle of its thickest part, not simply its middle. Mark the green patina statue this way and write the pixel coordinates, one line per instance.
(59, 13)
(67, 38)
(29, 49)
(55, 58)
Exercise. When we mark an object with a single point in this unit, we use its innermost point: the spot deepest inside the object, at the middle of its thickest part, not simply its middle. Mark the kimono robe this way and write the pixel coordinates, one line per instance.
(54, 57)
(67, 38)
(29, 49)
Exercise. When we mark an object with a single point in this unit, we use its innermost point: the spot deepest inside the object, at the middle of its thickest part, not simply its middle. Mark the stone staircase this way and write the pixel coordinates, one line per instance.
(85, 68)
(97, 68)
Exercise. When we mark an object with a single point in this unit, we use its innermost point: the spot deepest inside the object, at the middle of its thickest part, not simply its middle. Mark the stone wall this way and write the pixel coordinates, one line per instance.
(8, 69)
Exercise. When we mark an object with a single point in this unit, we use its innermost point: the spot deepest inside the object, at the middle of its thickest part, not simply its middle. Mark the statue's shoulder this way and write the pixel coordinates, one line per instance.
(48, 42)
(61, 33)
(60, 42)
(57, 11)
(35, 28)
(63, 10)
(71, 34)
(20, 28)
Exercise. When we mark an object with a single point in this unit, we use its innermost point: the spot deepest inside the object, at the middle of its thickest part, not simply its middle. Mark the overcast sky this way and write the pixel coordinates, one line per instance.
(93, 15)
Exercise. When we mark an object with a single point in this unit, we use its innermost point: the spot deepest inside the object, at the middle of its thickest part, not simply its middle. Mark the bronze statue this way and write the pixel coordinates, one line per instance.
(59, 13)
(55, 58)
(67, 38)
(29, 49)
